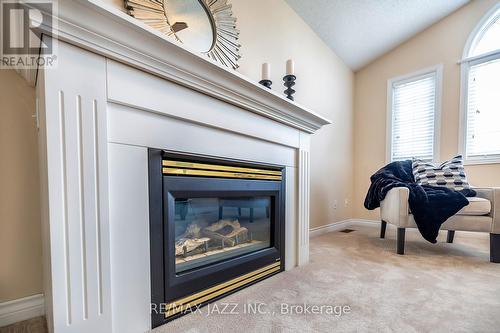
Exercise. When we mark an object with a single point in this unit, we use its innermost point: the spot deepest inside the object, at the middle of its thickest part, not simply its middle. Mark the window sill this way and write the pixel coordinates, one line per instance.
(482, 161)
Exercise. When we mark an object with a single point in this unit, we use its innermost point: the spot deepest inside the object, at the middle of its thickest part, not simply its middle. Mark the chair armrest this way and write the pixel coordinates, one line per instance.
(394, 208)
(493, 195)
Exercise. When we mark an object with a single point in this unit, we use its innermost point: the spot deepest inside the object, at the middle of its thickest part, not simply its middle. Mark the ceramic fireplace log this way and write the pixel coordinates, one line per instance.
(229, 233)
(189, 245)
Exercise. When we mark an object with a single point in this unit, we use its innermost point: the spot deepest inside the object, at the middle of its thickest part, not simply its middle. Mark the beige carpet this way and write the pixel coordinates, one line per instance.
(433, 288)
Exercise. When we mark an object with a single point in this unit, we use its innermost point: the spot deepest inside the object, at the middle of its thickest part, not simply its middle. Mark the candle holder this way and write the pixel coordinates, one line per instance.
(289, 83)
(266, 83)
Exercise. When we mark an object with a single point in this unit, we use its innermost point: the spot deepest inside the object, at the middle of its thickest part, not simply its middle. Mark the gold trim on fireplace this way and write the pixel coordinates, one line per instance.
(190, 302)
(216, 167)
(220, 174)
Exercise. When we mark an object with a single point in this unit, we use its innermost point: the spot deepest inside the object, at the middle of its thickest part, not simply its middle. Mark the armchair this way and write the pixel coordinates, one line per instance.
(481, 215)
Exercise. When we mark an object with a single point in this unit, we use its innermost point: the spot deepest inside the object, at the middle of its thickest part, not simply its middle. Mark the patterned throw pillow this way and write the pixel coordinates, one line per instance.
(450, 174)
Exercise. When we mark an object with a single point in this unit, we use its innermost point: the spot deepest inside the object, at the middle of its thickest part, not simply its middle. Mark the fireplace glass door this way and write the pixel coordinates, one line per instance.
(212, 229)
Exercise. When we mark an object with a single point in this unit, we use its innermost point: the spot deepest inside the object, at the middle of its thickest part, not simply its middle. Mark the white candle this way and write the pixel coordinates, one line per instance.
(266, 71)
(290, 67)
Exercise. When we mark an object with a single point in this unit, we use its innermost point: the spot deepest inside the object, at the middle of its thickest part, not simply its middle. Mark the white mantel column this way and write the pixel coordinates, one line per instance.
(73, 149)
(303, 206)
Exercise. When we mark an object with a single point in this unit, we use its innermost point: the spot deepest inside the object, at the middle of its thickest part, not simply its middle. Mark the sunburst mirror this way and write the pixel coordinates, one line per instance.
(207, 26)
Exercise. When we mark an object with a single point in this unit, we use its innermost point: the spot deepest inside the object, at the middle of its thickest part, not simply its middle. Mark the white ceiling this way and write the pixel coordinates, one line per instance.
(359, 31)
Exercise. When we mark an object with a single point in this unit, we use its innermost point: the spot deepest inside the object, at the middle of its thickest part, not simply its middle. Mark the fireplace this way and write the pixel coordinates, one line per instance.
(216, 226)
(109, 232)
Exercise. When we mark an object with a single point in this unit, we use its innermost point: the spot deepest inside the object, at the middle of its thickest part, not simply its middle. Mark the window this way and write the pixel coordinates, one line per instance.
(413, 103)
(480, 122)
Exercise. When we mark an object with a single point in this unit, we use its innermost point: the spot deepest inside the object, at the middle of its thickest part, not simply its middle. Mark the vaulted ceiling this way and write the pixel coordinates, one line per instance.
(359, 31)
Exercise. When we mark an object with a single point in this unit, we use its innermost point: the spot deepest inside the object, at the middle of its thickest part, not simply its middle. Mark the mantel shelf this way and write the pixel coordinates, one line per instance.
(105, 30)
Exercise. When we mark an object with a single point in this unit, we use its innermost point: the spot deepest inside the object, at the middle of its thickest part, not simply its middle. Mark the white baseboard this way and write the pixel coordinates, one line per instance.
(364, 222)
(21, 309)
(336, 226)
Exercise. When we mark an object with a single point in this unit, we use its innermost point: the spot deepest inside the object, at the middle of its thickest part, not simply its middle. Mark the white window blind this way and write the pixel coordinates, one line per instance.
(483, 111)
(413, 117)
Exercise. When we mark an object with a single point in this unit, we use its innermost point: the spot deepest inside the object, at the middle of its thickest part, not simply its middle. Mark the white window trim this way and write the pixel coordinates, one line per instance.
(438, 69)
(465, 64)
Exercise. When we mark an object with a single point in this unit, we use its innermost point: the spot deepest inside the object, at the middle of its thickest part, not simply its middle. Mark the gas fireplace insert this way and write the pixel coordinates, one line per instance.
(216, 226)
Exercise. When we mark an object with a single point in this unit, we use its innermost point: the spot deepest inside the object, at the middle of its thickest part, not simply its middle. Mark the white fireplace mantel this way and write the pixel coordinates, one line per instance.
(120, 87)
(118, 36)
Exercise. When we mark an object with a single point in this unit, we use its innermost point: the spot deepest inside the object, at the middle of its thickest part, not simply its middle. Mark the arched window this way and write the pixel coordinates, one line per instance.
(480, 123)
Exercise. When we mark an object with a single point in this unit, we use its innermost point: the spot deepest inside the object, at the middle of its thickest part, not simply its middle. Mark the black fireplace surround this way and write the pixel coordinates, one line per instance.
(235, 209)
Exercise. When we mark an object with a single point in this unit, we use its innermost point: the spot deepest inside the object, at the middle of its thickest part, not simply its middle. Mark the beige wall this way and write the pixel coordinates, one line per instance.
(442, 43)
(20, 240)
(272, 32)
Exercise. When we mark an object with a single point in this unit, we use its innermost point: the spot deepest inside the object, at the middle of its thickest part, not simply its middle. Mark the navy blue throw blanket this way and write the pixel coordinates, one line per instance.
(431, 206)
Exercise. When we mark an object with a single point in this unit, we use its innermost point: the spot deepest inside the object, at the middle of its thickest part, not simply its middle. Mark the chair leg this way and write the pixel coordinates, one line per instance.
(495, 248)
(451, 236)
(383, 226)
(401, 240)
